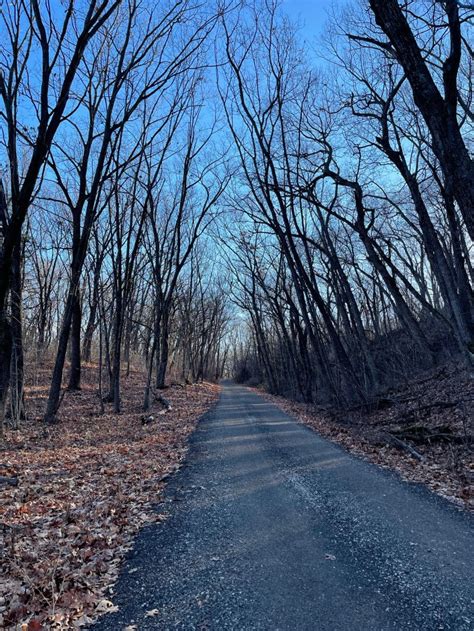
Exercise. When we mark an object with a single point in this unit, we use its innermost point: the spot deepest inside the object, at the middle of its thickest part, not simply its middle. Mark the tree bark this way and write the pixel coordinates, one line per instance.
(162, 363)
(17, 400)
(75, 344)
(5, 358)
(52, 405)
(439, 113)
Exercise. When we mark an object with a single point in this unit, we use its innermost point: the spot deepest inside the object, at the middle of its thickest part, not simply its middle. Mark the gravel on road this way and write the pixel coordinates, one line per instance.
(273, 527)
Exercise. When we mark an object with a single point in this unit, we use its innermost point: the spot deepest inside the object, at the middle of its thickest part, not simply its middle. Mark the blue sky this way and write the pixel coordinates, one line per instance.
(311, 13)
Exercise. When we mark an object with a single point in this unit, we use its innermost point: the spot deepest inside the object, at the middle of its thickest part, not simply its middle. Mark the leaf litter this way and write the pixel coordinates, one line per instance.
(84, 488)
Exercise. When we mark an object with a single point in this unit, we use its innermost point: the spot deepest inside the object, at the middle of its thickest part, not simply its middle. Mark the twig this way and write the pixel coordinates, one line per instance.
(399, 443)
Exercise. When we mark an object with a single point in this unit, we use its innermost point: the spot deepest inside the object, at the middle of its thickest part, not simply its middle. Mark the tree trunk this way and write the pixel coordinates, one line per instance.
(439, 114)
(17, 400)
(75, 349)
(90, 329)
(116, 352)
(162, 364)
(76, 317)
(52, 404)
(5, 358)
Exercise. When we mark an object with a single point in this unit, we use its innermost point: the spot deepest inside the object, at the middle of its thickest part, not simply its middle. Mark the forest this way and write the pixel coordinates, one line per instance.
(191, 191)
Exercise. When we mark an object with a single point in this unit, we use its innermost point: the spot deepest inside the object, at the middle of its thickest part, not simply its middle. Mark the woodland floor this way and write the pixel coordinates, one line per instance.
(83, 489)
(87, 485)
(424, 431)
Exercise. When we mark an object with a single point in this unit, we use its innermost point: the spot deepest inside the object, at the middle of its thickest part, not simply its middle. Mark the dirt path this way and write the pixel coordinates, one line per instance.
(272, 527)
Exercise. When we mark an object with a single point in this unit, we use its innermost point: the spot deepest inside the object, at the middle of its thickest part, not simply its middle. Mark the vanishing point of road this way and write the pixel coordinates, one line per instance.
(273, 527)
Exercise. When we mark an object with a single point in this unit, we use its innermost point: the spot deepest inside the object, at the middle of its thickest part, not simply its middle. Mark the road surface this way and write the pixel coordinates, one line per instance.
(273, 527)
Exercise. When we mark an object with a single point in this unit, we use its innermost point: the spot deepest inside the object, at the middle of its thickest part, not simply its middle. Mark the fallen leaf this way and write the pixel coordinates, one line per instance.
(87, 486)
(106, 605)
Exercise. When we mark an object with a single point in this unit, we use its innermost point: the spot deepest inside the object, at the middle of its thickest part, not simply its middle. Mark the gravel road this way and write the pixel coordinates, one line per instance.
(273, 527)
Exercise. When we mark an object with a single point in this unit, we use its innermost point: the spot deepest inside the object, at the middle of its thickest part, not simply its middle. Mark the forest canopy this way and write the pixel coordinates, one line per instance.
(192, 187)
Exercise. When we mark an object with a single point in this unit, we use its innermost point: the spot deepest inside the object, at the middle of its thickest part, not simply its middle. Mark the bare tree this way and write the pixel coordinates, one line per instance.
(439, 109)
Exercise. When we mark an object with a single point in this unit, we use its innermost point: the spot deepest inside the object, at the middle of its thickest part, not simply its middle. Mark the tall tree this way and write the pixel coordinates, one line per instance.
(438, 109)
(35, 36)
